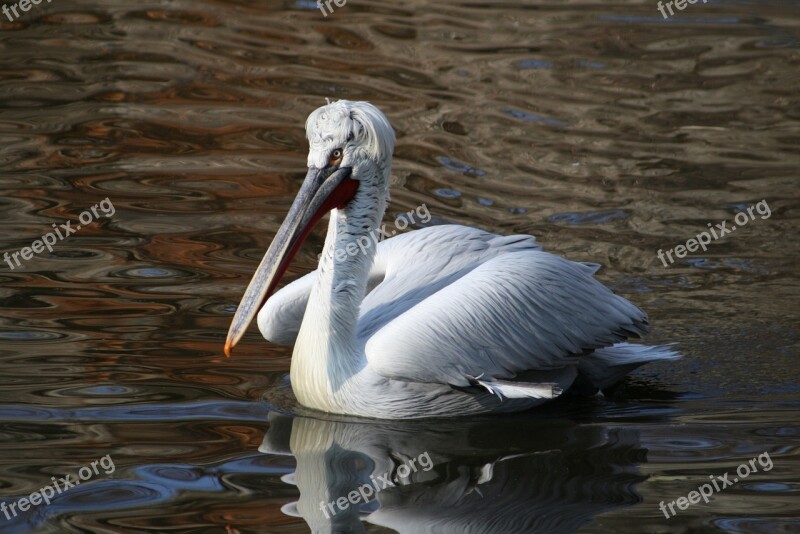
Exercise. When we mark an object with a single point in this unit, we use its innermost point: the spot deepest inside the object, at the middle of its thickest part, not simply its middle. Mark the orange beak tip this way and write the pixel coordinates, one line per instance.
(228, 348)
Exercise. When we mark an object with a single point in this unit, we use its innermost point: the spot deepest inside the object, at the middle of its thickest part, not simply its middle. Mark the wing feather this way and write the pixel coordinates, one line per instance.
(520, 311)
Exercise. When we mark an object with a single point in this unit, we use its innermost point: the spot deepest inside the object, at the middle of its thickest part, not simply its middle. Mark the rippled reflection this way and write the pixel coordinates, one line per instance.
(484, 475)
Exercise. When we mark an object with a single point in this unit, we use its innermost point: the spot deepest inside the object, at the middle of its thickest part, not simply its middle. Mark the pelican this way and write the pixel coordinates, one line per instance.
(438, 322)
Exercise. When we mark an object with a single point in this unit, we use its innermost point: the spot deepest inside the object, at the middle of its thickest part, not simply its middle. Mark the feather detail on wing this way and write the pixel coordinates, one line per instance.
(519, 311)
(519, 390)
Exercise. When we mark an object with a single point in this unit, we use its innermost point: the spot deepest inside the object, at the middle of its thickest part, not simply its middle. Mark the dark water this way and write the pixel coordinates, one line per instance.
(601, 128)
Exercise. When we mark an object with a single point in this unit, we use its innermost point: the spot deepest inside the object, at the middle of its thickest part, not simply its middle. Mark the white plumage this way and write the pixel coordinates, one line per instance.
(447, 320)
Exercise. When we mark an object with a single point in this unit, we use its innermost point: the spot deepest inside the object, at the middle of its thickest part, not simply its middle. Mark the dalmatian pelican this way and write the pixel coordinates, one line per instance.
(439, 322)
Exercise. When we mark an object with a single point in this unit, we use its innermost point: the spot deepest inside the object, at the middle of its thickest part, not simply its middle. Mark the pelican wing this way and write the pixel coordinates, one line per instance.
(517, 311)
(442, 254)
(280, 318)
(411, 267)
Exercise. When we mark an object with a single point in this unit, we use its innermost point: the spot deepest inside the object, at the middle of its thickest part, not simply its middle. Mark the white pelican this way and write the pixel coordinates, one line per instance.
(438, 322)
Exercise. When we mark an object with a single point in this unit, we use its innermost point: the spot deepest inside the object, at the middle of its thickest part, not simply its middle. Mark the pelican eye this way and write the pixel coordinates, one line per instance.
(336, 156)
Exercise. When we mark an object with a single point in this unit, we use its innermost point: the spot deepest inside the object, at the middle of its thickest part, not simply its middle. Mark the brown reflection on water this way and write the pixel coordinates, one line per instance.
(601, 129)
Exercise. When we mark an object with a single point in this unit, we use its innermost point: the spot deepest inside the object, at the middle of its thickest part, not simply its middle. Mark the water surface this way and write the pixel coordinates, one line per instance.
(601, 128)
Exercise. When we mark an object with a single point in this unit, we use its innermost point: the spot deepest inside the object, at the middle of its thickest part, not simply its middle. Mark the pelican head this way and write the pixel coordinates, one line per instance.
(350, 149)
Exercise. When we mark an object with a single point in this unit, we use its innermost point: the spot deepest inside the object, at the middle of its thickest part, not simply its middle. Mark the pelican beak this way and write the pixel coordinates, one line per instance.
(322, 190)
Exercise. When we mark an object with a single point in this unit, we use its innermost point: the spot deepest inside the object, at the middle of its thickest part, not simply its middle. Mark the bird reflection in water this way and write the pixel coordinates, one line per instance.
(508, 474)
